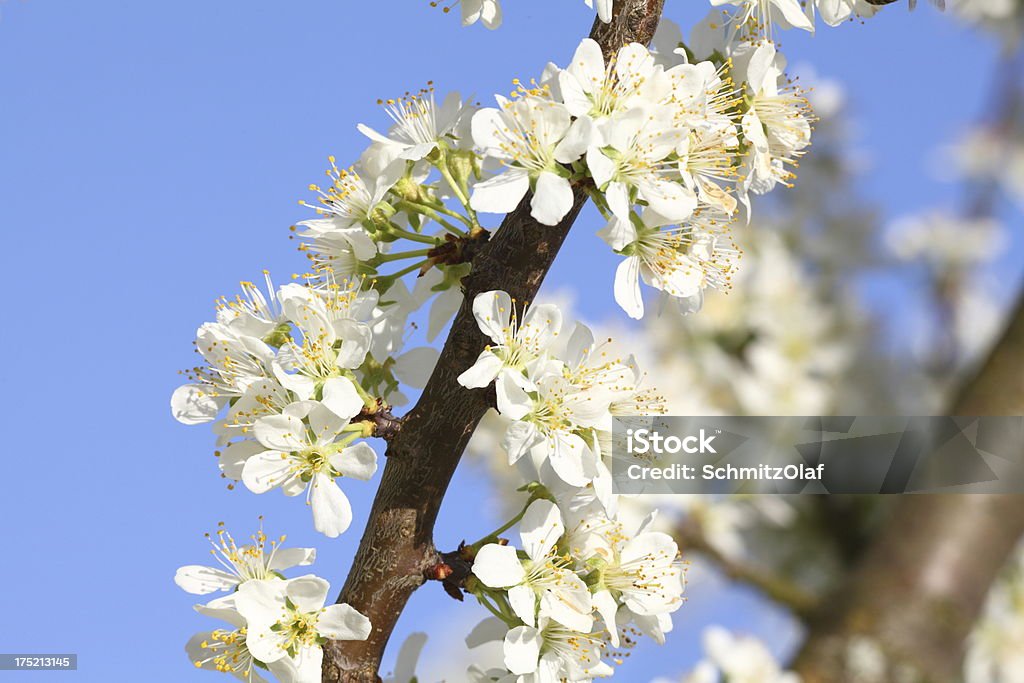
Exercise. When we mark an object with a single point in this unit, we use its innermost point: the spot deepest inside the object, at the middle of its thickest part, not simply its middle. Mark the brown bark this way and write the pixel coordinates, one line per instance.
(397, 549)
(921, 585)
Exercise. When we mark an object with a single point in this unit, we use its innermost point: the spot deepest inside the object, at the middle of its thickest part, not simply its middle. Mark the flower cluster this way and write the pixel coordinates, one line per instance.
(666, 151)
(283, 379)
(274, 624)
(295, 378)
(580, 584)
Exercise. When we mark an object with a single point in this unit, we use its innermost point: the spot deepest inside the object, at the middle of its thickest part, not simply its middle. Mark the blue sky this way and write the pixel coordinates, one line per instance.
(151, 156)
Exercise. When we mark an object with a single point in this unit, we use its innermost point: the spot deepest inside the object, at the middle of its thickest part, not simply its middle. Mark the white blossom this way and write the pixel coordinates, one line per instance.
(286, 621)
(302, 452)
(419, 124)
(531, 136)
(241, 563)
(633, 163)
(541, 584)
(516, 346)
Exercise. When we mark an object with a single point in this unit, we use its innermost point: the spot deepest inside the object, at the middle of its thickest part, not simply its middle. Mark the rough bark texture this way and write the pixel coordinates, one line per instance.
(397, 546)
(923, 582)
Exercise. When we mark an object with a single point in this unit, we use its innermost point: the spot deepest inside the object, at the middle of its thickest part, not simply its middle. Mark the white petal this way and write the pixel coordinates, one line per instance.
(502, 193)
(232, 459)
(305, 667)
(540, 529)
(581, 341)
(519, 439)
(512, 399)
(794, 14)
(576, 142)
(267, 470)
(669, 199)
(358, 461)
(200, 580)
(627, 287)
(493, 313)
(356, 339)
(588, 64)
(490, 16)
(552, 199)
(372, 134)
(617, 196)
(541, 325)
(523, 601)
(286, 558)
(324, 423)
(618, 233)
(486, 125)
(482, 372)
(300, 385)
(192, 404)
(343, 622)
(308, 592)
(569, 604)
(567, 459)
(498, 566)
(341, 398)
(602, 169)
(332, 513)
(607, 608)
(574, 94)
(522, 649)
(487, 631)
(281, 433)
(445, 306)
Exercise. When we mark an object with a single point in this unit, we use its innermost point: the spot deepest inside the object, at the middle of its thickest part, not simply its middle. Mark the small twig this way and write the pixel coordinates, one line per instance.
(456, 249)
(385, 425)
(452, 570)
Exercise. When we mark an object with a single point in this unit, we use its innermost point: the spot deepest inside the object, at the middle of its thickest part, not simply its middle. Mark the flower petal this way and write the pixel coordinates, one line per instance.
(286, 558)
(627, 287)
(498, 566)
(308, 592)
(540, 529)
(281, 433)
(358, 461)
(343, 622)
(200, 580)
(332, 513)
(267, 470)
(552, 198)
(493, 313)
(482, 372)
(522, 649)
(523, 601)
(193, 404)
(341, 398)
(502, 193)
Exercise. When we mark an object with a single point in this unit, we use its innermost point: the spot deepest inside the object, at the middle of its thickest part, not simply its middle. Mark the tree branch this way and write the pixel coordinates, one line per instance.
(787, 593)
(397, 548)
(922, 583)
